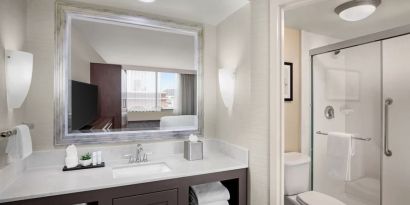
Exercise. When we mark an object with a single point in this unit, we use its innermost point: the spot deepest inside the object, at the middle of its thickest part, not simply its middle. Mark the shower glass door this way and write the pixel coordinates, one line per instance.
(396, 96)
(347, 96)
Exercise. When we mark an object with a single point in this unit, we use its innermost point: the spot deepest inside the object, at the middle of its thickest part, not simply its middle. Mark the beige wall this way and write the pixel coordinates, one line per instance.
(12, 37)
(292, 108)
(243, 44)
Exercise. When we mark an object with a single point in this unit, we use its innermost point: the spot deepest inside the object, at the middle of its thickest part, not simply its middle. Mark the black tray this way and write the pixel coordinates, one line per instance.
(79, 167)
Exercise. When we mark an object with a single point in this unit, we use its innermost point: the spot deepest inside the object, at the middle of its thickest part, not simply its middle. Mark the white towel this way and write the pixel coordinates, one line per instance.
(340, 150)
(19, 146)
(71, 159)
(71, 151)
(210, 192)
(217, 203)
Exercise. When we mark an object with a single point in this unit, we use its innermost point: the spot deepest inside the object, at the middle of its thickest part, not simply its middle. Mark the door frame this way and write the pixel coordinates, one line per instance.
(276, 104)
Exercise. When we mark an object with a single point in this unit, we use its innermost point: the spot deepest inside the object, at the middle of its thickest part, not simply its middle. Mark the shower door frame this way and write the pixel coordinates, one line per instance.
(375, 37)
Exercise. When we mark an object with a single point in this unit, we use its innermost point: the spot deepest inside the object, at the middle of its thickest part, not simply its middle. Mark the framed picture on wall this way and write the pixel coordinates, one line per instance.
(288, 81)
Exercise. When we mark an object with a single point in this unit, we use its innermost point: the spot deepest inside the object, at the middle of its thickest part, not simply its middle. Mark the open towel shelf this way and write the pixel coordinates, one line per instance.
(356, 138)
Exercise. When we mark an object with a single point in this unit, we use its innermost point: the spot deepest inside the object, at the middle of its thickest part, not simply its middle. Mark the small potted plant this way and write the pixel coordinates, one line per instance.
(86, 160)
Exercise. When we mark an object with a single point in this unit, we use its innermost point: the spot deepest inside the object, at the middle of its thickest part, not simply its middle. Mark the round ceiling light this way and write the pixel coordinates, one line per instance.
(357, 10)
(147, 1)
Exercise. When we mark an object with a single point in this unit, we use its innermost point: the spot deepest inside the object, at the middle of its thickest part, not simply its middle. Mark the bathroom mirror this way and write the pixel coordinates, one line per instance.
(122, 76)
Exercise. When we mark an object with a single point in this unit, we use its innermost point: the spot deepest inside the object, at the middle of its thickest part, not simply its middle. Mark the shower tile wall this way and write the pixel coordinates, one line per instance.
(356, 97)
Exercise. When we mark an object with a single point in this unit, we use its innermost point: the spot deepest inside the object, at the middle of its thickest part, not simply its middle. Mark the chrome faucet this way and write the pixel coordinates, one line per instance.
(139, 157)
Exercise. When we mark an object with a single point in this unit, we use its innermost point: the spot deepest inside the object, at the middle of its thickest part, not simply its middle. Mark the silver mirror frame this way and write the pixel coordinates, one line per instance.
(64, 13)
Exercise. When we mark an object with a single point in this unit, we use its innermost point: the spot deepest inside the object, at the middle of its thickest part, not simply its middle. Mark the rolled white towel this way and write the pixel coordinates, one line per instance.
(71, 162)
(210, 192)
(71, 151)
(217, 203)
(71, 159)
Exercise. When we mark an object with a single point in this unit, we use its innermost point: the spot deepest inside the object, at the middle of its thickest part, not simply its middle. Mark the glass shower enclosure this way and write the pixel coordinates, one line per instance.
(362, 90)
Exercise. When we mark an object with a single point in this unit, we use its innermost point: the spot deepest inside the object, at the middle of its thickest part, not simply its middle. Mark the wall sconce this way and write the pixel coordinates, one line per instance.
(19, 70)
(226, 78)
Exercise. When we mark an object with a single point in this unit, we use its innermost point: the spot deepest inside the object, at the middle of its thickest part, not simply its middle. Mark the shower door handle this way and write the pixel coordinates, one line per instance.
(387, 103)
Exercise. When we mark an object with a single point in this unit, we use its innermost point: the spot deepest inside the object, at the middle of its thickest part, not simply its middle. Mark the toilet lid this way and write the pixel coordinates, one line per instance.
(316, 198)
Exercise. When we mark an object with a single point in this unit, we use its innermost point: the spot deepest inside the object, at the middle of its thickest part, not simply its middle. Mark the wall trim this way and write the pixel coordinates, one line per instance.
(276, 104)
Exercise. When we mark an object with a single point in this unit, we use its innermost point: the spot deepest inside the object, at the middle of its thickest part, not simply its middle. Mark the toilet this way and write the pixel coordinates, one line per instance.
(297, 183)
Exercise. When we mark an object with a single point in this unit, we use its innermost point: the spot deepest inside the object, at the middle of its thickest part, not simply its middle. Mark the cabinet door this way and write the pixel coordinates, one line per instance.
(157, 198)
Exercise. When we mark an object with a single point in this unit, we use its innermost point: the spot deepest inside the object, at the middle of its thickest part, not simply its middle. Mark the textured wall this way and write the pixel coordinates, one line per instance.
(40, 41)
(243, 43)
(308, 41)
(12, 37)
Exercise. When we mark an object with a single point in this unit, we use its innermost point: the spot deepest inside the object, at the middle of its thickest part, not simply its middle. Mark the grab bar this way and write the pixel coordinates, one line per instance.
(387, 103)
(356, 138)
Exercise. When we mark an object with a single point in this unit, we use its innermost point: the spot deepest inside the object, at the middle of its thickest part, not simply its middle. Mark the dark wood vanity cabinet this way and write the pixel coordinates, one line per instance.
(165, 192)
(169, 197)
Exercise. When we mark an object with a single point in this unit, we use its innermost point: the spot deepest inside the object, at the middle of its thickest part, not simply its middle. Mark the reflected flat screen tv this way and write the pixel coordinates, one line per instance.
(84, 104)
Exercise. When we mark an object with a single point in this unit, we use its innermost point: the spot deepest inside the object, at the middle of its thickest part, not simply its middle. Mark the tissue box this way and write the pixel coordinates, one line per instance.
(193, 150)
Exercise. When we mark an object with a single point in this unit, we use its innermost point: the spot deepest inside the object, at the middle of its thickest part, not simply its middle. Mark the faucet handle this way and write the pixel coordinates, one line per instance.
(139, 147)
(146, 156)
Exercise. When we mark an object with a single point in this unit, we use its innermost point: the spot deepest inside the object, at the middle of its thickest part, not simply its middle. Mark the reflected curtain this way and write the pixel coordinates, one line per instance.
(185, 103)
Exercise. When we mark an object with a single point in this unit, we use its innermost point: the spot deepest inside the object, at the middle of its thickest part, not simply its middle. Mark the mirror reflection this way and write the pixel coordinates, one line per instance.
(130, 78)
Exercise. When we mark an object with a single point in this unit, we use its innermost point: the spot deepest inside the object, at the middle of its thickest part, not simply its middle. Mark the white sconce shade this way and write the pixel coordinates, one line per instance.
(19, 69)
(357, 10)
(227, 86)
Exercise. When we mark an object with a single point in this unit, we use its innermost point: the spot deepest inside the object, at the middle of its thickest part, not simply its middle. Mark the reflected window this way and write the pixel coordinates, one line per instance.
(149, 91)
(167, 90)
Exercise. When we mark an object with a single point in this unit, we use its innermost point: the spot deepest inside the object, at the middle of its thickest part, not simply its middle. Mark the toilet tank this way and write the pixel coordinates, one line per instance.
(297, 167)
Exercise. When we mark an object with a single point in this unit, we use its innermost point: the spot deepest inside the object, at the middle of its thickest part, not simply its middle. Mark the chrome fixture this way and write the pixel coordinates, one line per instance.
(356, 138)
(139, 157)
(387, 103)
(8, 133)
(357, 10)
(329, 112)
(11, 132)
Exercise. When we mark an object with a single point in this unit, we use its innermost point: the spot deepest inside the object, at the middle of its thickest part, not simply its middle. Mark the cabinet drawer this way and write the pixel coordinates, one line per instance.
(169, 197)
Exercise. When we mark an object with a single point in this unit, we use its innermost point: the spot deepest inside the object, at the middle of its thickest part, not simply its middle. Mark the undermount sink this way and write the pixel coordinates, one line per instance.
(137, 170)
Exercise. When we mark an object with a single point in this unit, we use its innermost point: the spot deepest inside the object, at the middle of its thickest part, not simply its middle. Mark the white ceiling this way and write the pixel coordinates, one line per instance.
(124, 45)
(201, 11)
(320, 18)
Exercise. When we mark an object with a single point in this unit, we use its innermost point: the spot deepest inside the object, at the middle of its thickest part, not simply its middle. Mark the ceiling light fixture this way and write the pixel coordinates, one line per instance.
(147, 1)
(357, 10)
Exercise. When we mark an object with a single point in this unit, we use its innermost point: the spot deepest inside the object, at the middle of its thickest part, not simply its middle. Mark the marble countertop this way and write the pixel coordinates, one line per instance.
(49, 181)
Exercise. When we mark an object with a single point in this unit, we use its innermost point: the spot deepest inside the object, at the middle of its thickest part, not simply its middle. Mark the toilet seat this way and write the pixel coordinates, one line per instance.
(316, 198)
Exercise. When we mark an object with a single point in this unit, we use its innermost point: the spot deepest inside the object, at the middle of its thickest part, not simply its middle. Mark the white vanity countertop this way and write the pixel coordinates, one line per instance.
(50, 181)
